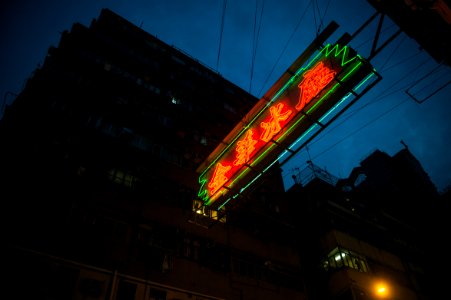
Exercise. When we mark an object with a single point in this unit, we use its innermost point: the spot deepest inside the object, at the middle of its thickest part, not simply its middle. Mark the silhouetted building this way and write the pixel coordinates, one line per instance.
(100, 151)
(374, 226)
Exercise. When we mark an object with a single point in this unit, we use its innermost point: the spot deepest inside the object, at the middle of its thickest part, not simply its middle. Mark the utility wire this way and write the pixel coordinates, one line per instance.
(314, 16)
(325, 11)
(355, 131)
(372, 38)
(285, 47)
(253, 45)
(428, 81)
(401, 62)
(368, 123)
(393, 52)
(426, 75)
(432, 80)
(377, 98)
(320, 24)
(362, 127)
(221, 31)
(255, 39)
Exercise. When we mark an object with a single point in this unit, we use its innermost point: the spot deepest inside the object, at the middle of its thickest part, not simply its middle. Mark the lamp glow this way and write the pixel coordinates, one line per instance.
(382, 290)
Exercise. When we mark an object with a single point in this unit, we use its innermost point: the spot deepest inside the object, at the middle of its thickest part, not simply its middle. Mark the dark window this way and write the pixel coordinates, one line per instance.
(91, 288)
(157, 295)
(126, 291)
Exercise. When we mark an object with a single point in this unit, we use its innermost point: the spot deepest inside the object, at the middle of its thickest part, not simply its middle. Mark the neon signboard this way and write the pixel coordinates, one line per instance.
(311, 91)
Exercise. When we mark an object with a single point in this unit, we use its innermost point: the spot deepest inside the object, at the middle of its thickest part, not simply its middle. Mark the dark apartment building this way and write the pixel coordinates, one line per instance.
(380, 225)
(99, 178)
(100, 152)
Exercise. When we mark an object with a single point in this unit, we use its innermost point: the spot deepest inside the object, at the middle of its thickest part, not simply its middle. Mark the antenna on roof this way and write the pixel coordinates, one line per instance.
(405, 145)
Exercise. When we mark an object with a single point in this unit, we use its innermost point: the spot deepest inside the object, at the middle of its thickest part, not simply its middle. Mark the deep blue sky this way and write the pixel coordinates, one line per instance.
(379, 120)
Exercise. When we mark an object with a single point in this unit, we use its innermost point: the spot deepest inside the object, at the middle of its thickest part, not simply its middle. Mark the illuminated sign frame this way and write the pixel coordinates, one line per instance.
(274, 124)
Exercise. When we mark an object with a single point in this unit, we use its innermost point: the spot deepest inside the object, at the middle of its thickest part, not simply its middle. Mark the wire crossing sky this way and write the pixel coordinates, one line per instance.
(252, 43)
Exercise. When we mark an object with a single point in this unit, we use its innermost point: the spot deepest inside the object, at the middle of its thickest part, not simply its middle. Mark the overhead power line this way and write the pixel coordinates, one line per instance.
(381, 96)
(325, 11)
(285, 47)
(361, 127)
(255, 39)
(221, 31)
(393, 52)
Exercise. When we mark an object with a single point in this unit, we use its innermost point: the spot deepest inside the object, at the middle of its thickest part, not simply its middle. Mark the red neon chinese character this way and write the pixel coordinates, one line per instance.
(244, 148)
(314, 81)
(272, 127)
(218, 179)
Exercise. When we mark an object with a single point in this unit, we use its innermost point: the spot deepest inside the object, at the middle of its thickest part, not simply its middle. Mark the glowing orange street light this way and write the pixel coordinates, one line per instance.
(381, 290)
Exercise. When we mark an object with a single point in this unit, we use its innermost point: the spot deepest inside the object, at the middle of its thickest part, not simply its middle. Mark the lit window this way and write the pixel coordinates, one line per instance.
(339, 258)
(121, 178)
(198, 207)
(206, 212)
(175, 101)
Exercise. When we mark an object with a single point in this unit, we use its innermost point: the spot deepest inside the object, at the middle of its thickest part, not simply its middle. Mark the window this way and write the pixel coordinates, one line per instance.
(141, 142)
(178, 60)
(169, 155)
(91, 288)
(191, 248)
(167, 264)
(126, 290)
(157, 295)
(339, 258)
(175, 101)
(123, 178)
(207, 212)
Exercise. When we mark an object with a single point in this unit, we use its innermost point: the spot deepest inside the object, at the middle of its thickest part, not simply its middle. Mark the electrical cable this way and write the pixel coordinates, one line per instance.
(285, 47)
(381, 96)
(255, 40)
(221, 31)
(362, 127)
(429, 82)
(372, 38)
(393, 52)
(425, 76)
(253, 45)
(314, 17)
(320, 24)
(325, 11)
(401, 62)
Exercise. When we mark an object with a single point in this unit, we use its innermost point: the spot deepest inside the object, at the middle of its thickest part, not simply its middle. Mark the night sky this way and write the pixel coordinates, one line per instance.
(260, 40)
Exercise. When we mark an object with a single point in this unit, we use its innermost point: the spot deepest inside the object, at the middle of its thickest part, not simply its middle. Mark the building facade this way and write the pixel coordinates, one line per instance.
(103, 145)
